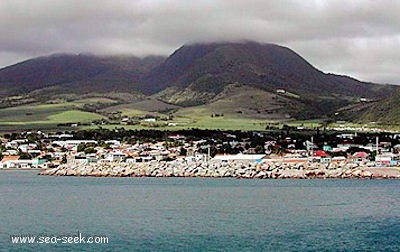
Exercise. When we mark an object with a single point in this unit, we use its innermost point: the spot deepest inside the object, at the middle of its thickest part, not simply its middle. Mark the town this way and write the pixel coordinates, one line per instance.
(41, 150)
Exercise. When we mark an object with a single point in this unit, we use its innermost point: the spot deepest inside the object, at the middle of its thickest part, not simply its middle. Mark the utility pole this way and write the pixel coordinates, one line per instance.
(208, 147)
(312, 146)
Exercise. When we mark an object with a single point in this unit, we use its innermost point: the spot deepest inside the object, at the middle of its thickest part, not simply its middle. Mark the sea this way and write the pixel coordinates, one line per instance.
(197, 214)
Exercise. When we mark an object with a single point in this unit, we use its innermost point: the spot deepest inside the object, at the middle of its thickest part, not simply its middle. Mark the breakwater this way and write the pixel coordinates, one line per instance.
(235, 169)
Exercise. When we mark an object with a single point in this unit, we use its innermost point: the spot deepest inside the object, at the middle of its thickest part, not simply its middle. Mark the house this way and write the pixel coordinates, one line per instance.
(196, 157)
(150, 120)
(360, 156)
(12, 145)
(13, 162)
(69, 144)
(74, 143)
(39, 163)
(321, 156)
(91, 158)
(113, 143)
(287, 158)
(60, 136)
(116, 156)
(176, 137)
(34, 152)
(387, 159)
(27, 147)
(338, 159)
(76, 159)
(347, 145)
(239, 157)
(125, 120)
(10, 153)
(7, 160)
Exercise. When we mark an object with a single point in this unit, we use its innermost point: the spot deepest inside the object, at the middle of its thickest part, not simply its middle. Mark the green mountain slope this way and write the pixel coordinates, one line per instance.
(214, 78)
(209, 67)
(75, 73)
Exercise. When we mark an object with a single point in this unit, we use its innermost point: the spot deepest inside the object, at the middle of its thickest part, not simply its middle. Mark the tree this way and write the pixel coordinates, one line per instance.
(226, 148)
(81, 147)
(89, 150)
(183, 151)
(32, 138)
(24, 155)
(64, 159)
(260, 149)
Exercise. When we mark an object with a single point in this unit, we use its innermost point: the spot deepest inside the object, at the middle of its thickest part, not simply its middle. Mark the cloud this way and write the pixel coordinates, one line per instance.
(357, 38)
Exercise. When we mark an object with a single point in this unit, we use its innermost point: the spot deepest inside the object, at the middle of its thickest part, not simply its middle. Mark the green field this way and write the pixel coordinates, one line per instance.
(224, 123)
(32, 113)
(74, 116)
(221, 114)
(44, 116)
(236, 108)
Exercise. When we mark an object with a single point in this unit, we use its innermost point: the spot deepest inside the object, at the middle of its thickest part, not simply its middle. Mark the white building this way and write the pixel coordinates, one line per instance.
(116, 156)
(239, 157)
(73, 143)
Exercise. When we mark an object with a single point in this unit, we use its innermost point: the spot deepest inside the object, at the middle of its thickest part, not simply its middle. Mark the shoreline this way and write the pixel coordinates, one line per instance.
(237, 169)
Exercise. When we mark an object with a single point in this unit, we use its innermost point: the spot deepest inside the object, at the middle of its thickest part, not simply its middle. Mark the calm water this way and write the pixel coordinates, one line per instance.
(176, 214)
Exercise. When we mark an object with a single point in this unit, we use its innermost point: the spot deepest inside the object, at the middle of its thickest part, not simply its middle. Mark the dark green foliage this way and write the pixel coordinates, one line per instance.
(89, 150)
(75, 74)
(260, 149)
(183, 151)
(81, 147)
(64, 159)
(24, 155)
(386, 111)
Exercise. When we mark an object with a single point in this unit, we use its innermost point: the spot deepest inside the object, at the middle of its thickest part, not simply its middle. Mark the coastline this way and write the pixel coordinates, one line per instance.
(237, 169)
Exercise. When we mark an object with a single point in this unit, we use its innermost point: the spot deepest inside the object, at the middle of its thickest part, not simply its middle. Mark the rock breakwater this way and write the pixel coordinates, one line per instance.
(237, 169)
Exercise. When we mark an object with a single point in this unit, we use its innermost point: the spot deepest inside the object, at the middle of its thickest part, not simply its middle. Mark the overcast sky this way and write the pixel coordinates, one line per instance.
(360, 38)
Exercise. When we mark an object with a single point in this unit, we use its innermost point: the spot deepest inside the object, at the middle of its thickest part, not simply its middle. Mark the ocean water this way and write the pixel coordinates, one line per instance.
(193, 214)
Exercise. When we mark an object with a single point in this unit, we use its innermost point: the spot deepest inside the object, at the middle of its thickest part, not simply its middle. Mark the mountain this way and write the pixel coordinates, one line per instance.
(75, 73)
(209, 74)
(210, 67)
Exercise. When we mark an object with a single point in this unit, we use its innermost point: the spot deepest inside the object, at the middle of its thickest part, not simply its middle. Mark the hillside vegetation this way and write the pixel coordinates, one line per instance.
(198, 84)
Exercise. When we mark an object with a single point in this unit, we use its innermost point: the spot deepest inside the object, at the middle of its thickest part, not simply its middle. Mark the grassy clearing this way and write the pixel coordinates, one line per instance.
(33, 113)
(68, 116)
(224, 123)
(218, 124)
(43, 116)
(237, 102)
(144, 107)
(307, 124)
(102, 100)
(74, 116)
(135, 112)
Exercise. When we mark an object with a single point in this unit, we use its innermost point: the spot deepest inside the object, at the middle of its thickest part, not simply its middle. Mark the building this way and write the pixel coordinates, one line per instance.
(13, 162)
(239, 157)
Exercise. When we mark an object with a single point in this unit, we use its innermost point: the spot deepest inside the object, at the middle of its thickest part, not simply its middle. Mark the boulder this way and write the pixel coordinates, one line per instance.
(70, 172)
